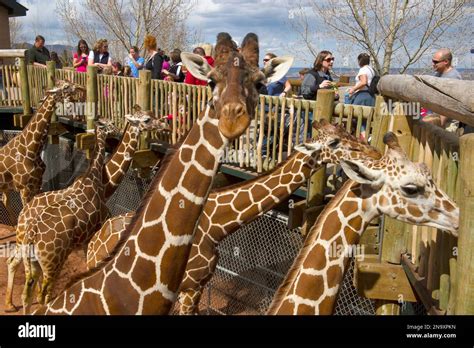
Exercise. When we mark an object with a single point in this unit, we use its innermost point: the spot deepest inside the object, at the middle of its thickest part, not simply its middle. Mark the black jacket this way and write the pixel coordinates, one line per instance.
(155, 65)
(311, 82)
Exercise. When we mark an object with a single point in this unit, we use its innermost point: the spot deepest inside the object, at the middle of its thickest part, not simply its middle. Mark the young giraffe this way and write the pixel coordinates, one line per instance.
(117, 166)
(113, 173)
(392, 185)
(63, 225)
(143, 275)
(21, 166)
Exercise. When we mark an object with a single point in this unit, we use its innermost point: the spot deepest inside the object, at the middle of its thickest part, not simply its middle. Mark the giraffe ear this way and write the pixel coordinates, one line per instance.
(196, 65)
(362, 174)
(308, 148)
(277, 68)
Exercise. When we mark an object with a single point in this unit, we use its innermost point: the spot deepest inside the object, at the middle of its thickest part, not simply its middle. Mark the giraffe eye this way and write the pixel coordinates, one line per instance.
(410, 190)
(333, 143)
(211, 83)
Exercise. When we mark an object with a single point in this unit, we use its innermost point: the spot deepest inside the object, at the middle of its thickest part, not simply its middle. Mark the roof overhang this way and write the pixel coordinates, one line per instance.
(14, 9)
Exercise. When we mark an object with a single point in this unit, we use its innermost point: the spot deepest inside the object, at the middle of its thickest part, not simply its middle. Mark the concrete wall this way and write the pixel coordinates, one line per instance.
(4, 28)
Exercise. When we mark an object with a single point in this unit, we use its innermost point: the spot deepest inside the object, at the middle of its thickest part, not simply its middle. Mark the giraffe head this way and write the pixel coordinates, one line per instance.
(404, 190)
(106, 127)
(235, 80)
(66, 91)
(333, 143)
(145, 120)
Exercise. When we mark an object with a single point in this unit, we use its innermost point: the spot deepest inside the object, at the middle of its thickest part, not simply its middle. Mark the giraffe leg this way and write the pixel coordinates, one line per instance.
(12, 263)
(190, 298)
(8, 208)
(46, 291)
(32, 273)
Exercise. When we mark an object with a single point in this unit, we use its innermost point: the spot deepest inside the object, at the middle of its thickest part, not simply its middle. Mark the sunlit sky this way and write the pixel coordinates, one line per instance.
(267, 18)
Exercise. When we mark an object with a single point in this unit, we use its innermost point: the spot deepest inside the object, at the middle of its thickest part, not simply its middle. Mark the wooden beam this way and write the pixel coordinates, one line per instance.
(10, 53)
(419, 284)
(20, 120)
(86, 142)
(381, 281)
(144, 159)
(465, 261)
(296, 214)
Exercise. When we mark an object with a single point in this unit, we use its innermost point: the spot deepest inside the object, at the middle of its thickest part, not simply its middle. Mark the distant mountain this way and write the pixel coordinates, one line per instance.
(56, 48)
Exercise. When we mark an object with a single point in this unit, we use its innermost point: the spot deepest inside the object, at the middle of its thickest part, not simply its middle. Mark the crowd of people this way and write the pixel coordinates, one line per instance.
(170, 68)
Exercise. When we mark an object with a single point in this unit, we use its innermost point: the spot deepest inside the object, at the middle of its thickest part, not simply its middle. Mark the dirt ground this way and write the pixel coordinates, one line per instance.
(74, 264)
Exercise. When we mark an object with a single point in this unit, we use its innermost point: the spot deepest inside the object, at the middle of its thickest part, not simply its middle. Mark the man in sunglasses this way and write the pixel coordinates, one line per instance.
(442, 65)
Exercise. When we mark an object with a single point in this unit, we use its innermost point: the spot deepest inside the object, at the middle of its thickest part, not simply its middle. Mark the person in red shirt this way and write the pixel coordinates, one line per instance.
(190, 79)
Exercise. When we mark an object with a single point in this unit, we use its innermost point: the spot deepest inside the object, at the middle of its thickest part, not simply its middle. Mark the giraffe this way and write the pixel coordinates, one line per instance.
(63, 225)
(142, 276)
(119, 163)
(21, 166)
(113, 173)
(394, 186)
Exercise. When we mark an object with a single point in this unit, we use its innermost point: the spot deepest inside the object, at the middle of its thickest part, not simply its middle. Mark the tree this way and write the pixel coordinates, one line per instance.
(16, 31)
(124, 23)
(401, 31)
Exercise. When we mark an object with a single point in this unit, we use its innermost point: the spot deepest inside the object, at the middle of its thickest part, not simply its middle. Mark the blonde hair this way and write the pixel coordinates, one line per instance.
(150, 42)
(99, 43)
(208, 49)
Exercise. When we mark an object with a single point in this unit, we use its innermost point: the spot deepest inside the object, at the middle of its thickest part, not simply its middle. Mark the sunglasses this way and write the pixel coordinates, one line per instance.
(266, 60)
(330, 59)
(436, 61)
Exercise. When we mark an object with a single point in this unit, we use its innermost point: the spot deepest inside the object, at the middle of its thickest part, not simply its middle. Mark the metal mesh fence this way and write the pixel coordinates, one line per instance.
(253, 262)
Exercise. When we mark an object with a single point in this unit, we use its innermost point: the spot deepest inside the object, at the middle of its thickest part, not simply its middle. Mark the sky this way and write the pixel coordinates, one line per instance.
(268, 18)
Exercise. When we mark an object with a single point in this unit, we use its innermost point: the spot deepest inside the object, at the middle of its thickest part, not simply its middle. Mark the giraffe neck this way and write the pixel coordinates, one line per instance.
(144, 276)
(312, 284)
(36, 131)
(255, 197)
(94, 172)
(117, 166)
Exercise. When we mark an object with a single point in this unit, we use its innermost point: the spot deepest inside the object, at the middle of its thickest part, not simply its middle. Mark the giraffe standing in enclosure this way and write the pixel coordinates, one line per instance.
(144, 273)
(113, 173)
(392, 185)
(63, 225)
(21, 166)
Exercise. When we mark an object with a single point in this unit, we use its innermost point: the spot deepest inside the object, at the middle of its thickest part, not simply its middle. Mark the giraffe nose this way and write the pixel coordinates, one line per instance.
(234, 110)
(234, 119)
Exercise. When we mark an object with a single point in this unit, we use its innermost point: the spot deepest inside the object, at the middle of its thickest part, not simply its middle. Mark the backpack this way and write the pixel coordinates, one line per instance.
(372, 88)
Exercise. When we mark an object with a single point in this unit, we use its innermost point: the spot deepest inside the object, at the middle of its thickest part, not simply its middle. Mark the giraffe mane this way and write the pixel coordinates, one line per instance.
(126, 234)
(293, 272)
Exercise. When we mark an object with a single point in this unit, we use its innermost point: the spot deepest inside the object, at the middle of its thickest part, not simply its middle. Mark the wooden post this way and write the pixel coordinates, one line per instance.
(317, 182)
(144, 100)
(25, 89)
(465, 261)
(324, 110)
(51, 68)
(381, 123)
(92, 96)
(395, 232)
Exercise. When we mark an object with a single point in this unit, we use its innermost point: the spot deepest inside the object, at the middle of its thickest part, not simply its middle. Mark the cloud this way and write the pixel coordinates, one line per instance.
(42, 19)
